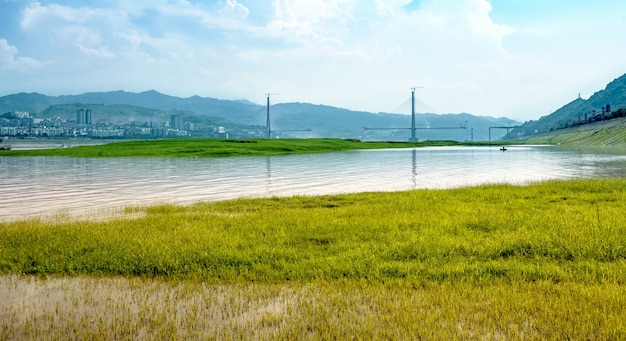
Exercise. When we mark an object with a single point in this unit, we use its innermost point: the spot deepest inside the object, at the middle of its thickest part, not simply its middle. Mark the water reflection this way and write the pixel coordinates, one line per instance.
(40, 185)
(414, 169)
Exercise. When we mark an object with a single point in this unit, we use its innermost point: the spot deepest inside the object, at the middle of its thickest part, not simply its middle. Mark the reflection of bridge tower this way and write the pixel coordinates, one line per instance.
(268, 133)
(414, 169)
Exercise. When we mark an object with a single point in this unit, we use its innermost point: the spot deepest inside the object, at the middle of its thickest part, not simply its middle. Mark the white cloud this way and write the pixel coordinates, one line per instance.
(38, 14)
(235, 9)
(8, 51)
(12, 62)
(303, 18)
(359, 54)
(438, 46)
(101, 52)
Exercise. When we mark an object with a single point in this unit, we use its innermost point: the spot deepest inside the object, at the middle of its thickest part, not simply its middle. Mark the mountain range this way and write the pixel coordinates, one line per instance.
(296, 119)
(310, 120)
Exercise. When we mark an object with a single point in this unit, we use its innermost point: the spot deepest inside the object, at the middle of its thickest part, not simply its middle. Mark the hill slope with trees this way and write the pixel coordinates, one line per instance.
(604, 105)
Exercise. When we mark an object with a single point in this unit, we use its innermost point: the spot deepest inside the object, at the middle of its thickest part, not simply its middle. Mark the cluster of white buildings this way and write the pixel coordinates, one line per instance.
(22, 124)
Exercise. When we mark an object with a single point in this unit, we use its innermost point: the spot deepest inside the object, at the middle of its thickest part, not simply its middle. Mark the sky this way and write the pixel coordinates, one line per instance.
(520, 59)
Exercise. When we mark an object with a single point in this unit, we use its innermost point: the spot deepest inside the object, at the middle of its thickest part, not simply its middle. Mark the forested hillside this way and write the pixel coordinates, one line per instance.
(604, 105)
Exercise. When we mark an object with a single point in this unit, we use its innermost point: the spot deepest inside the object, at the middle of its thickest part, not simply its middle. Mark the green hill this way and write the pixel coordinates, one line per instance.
(602, 106)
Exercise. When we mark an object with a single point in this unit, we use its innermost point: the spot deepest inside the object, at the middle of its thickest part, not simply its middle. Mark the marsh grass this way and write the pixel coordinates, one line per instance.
(137, 308)
(545, 260)
(556, 231)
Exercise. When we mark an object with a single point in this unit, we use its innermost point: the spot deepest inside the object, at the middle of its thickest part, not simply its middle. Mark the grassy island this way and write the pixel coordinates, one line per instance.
(541, 261)
(205, 147)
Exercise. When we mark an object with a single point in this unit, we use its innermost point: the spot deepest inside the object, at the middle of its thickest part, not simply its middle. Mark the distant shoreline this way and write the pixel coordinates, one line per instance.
(209, 147)
(51, 143)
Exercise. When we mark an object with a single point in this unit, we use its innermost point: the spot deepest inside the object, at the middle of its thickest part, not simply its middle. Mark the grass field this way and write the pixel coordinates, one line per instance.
(205, 147)
(603, 134)
(542, 261)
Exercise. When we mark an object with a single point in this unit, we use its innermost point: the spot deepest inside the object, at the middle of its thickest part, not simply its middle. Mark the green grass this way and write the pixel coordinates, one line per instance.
(557, 231)
(541, 261)
(604, 134)
(205, 147)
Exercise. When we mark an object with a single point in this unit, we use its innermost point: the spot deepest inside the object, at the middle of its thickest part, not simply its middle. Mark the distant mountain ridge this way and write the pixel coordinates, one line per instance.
(36, 103)
(322, 120)
(575, 112)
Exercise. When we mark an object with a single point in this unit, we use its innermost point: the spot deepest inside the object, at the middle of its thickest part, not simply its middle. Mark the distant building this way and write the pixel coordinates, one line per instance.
(21, 114)
(83, 116)
(16, 114)
(176, 122)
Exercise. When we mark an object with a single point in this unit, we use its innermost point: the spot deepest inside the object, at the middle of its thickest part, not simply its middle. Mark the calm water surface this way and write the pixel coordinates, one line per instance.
(45, 185)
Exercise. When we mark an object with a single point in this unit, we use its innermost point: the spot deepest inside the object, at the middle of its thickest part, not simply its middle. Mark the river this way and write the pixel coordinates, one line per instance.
(39, 186)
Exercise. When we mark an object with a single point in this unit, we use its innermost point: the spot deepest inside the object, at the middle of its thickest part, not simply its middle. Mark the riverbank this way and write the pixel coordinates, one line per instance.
(541, 261)
(52, 143)
(605, 134)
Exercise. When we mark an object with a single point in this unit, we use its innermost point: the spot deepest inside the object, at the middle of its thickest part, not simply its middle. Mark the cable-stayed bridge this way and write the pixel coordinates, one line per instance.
(413, 127)
(420, 107)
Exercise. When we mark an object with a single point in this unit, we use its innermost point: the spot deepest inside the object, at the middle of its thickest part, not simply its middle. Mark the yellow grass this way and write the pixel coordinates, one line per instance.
(145, 309)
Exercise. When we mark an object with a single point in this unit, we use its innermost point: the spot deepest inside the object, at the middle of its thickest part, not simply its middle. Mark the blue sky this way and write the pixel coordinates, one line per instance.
(516, 58)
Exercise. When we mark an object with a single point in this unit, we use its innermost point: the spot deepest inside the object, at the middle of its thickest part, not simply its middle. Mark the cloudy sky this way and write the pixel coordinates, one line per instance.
(516, 58)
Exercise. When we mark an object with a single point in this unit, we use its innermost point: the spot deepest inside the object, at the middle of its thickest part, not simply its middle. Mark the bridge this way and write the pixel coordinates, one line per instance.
(413, 128)
(507, 130)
